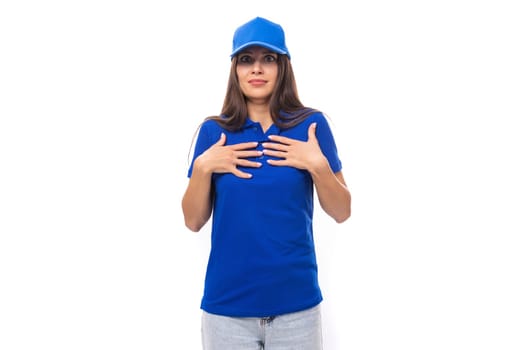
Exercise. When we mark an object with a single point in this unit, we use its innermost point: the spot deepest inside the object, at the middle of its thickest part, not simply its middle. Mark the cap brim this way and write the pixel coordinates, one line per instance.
(258, 43)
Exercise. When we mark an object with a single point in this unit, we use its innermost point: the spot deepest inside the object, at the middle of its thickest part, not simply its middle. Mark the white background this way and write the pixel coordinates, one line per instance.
(99, 101)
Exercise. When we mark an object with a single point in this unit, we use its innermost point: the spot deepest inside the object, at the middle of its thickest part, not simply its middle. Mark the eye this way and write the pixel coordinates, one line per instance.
(245, 59)
(270, 58)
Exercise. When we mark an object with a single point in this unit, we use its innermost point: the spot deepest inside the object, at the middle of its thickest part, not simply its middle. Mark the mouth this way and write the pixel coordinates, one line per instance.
(257, 82)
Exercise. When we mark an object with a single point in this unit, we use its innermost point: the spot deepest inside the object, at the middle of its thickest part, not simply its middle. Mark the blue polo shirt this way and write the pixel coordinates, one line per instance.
(262, 260)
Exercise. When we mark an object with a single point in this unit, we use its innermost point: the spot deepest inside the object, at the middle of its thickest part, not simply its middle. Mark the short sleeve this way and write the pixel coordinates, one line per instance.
(327, 142)
(202, 143)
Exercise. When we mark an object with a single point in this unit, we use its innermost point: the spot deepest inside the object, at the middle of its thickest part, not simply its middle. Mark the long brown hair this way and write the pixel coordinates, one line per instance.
(286, 108)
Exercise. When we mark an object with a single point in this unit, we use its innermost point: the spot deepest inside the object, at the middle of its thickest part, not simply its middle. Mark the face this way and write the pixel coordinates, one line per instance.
(257, 73)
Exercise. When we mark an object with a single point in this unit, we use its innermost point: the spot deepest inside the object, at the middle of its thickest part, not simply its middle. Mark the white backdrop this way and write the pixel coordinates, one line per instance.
(99, 101)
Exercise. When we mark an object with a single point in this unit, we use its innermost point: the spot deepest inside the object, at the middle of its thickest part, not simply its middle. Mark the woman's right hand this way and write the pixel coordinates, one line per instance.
(225, 159)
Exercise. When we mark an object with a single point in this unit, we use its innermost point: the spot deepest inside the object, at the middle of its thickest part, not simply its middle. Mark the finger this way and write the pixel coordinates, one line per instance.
(282, 139)
(311, 131)
(248, 154)
(244, 145)
(248, 164)
(241, 174)
(277, 162)
(275, 146)
(278, 154)
(222, 140)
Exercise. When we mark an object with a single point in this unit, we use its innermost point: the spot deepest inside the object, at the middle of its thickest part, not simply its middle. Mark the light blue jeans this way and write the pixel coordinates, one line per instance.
(298, 330)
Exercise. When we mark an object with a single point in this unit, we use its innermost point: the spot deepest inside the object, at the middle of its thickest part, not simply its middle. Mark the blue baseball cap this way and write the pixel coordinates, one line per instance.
(260, 32)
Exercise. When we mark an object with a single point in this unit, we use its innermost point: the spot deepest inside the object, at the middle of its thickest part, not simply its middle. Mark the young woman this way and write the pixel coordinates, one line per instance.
(255, 168)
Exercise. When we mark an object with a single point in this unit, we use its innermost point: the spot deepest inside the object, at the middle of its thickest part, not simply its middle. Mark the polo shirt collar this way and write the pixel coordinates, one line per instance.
(249, 123)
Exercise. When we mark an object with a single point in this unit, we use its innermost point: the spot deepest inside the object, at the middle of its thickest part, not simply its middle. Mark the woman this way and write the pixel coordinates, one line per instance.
(254, 168)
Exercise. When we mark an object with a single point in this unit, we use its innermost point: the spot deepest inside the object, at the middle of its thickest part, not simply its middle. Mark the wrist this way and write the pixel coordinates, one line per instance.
(200, 166)
(320, 168)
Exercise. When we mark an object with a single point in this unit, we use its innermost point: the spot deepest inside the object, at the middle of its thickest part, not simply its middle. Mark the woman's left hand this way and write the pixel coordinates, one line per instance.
(298, 154)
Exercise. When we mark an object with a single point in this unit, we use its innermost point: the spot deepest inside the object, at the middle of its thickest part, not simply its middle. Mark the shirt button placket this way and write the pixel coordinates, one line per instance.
(258, 137)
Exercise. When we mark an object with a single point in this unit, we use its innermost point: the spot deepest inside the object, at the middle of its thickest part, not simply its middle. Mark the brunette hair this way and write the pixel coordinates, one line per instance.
(286, 108)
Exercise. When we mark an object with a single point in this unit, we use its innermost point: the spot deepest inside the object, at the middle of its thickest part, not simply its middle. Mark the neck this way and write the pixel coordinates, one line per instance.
(260, 113)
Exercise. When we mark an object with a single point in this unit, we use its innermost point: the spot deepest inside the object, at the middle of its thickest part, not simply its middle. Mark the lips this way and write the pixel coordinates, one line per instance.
(257, 81)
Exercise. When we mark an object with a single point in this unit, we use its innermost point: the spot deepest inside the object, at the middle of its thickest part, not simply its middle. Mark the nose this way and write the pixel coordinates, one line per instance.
(257, 67)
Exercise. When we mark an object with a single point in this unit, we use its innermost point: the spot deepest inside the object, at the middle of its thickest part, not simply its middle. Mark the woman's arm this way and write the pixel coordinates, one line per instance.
(334, 196)
(198, 198)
